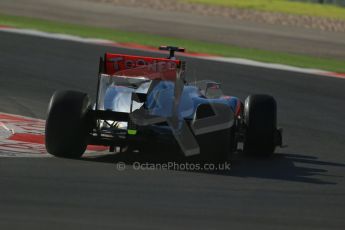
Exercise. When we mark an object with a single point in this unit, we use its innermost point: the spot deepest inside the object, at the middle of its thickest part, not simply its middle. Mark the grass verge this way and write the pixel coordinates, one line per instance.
(192, 46)
(282, 6)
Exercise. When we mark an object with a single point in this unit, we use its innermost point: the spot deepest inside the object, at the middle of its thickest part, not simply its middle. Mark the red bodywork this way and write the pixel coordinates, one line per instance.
(152, 68)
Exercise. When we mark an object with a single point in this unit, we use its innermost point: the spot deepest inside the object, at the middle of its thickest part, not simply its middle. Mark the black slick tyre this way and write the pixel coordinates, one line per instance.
(66, 124)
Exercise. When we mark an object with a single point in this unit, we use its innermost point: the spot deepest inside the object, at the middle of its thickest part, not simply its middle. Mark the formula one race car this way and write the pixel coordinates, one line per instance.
(144, 101)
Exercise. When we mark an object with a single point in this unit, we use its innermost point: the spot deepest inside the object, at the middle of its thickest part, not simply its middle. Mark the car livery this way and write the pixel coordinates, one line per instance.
(147, 101)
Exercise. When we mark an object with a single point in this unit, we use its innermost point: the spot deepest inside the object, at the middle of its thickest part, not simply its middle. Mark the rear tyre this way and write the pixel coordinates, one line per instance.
(260, 114)
(66, 125)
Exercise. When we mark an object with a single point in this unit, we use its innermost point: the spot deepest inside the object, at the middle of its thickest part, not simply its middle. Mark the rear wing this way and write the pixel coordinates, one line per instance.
(120, 65)
(134, 66)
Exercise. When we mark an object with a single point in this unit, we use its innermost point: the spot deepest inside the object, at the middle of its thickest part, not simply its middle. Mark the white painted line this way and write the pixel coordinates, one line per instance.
(239, 61)
(55, 36)
(5, 132)
(247, 62)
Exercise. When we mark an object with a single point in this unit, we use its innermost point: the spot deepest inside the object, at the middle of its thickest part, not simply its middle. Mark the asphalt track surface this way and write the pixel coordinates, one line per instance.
(301, 187)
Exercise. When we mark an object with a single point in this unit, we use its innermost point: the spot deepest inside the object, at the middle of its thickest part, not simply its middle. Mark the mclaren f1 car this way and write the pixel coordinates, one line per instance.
(147, 101)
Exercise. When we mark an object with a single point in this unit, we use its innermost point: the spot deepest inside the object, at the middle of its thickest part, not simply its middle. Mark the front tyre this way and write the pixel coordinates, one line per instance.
(260, 114)
(66, 124)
